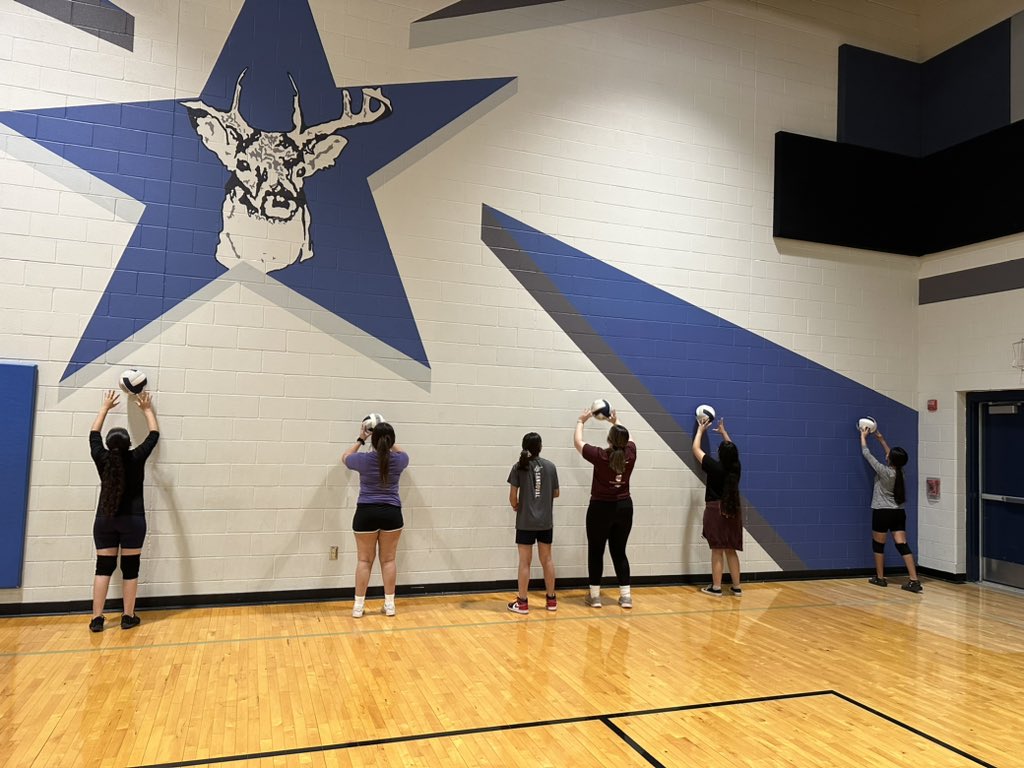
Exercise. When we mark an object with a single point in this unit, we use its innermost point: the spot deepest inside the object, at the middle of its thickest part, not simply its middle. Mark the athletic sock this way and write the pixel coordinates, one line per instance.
(389, 599)
(624, 591)
(359, 603)
(595, 592)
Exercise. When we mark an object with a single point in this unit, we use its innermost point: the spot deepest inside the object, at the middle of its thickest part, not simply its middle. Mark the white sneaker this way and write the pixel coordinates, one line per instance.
(357, 613)
(388, 610)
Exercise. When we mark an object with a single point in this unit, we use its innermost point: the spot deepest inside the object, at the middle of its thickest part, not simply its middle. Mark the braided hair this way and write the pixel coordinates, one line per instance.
(382, 439)
(729, 456)
(618, 438)
(112, 476)
(897, 460)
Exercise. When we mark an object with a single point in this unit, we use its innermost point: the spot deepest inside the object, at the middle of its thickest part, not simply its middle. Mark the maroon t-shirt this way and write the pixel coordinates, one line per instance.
(607, 485)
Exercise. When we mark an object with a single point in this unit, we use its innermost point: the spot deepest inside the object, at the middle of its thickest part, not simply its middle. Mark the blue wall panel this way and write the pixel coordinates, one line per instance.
(794, 420)
(17, 413)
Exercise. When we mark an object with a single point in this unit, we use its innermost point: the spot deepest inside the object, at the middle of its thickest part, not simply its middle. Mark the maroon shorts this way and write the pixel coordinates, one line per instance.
(722, 532)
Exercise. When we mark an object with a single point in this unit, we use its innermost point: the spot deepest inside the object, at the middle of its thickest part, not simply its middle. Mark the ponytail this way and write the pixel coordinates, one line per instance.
(382, 439)
(898, 459)
(112, 476)
(729, 455)
(618, 439)
(531, 450)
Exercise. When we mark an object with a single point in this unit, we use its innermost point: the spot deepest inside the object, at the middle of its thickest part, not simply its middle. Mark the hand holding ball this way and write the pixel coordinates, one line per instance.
(705, 414)
(601, 409)
(132, 381)
(867, 423)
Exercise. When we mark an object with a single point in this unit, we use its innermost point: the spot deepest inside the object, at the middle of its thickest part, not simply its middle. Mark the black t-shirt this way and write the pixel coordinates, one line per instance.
(134, 471)
(716, 478)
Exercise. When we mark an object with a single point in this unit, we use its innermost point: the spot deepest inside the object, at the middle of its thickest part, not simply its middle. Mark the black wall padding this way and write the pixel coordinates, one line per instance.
(864, 198)
(917, 109)
(974, 191)
(966, 90)
(846, 195)
(879, 101)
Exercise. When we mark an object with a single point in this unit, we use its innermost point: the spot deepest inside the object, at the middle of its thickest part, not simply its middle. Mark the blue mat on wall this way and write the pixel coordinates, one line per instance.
(17, 413)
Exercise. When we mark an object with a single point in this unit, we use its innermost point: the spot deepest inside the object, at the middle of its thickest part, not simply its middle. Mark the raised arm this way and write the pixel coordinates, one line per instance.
(720, 429)
(357, 444)
(885, 445)
(698, 438)
(145, 403)
(577, 437)
(875, 463)
(110, 400)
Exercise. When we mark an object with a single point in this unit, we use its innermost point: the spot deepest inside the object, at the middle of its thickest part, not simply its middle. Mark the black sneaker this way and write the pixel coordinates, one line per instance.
(96, 625)
(913, 586)
(738, 591)
(878, 582)
(127, 622)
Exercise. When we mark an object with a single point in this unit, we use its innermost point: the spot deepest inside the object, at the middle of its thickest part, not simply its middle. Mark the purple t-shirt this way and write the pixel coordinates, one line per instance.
(371, 491)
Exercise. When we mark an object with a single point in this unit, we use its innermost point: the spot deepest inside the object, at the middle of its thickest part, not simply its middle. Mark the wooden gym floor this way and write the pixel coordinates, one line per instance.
(815, 673)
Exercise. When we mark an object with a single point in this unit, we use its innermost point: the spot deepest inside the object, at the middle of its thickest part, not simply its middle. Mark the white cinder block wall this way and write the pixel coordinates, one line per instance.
(966, 346)
(645, 140)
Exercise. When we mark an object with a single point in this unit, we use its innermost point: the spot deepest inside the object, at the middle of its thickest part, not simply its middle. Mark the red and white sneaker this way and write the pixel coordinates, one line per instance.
(519, 606)
(552, 602)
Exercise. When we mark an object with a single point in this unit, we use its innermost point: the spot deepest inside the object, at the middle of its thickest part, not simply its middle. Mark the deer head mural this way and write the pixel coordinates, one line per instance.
(266, 219)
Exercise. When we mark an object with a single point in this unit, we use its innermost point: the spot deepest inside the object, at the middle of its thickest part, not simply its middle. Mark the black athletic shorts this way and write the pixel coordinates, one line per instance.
(372, 518)
(125, 531)
(529, 537)
(885, 520)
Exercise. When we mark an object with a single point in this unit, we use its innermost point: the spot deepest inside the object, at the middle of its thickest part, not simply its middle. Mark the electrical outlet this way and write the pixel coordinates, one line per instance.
(333, 554)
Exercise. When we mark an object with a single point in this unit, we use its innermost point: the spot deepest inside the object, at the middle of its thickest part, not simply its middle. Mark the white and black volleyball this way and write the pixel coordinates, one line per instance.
(705, 414)
(371, 420)
(132, 381)
(867, 423)
(601, 409)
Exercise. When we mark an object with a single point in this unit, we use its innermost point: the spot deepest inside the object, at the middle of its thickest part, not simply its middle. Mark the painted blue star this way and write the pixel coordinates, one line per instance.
(154, 153)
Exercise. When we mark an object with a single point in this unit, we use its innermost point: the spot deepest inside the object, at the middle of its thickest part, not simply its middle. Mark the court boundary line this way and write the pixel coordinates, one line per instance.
(912, 729)
(631, 742)
(605, 718)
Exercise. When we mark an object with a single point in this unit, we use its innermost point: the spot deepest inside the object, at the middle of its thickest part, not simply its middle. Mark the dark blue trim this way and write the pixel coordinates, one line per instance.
(973, 516)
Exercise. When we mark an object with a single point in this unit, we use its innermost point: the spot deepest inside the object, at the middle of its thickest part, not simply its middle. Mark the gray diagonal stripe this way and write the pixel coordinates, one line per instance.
(471, 7)
(102, 20)
(474, 19)
(994, 278)
(590, 342)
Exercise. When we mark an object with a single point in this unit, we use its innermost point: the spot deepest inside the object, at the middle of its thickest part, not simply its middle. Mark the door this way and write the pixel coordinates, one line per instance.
(1001, 492)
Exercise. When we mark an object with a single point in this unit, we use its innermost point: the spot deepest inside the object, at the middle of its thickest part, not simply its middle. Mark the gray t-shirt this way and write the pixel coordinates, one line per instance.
(885, 481)
(537, 486)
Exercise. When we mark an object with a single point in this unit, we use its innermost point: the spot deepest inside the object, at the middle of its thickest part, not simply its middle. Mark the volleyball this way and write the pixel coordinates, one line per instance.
(601, 409)
(867, 423)
(132, 381)
(705, 414)
(371, 420)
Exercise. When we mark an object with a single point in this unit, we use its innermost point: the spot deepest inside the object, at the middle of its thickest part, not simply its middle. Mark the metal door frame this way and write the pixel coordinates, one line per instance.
(975, 402)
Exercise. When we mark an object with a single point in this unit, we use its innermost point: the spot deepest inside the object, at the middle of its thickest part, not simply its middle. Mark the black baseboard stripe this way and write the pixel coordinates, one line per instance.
(168, 602)
(955, 578)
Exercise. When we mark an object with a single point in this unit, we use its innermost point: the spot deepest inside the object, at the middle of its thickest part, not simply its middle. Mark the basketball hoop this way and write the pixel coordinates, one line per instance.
(1018, 357)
